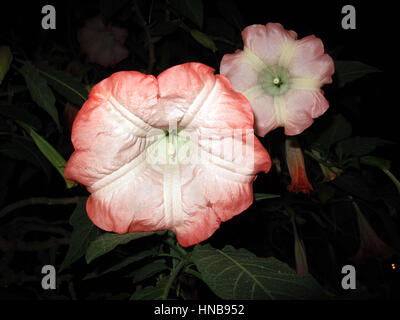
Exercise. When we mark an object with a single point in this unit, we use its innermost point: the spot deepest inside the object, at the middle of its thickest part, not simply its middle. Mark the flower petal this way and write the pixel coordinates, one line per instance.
(111, 135)
(222, 108)
(207, 200)
(240, 74)
(264, 114)
(297, 169)
(310, 61)
(267, 41)
(302, 107)
(182, 91)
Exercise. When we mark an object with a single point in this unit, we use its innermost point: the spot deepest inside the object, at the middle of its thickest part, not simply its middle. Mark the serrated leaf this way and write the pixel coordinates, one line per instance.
(127, 261)
(149, 270)
(39, 90)
(5, 61)
(66, 85)
(239, 274)
(84, 231)
(48, 151)
(262, 196)
(191, 9)
(108, 241)
(203, 39)
(348, 71)
(359, 146)
(151, 292)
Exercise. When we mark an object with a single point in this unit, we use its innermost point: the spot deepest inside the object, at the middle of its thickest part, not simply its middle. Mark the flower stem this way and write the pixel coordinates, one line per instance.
(172, 277)
(393, 178)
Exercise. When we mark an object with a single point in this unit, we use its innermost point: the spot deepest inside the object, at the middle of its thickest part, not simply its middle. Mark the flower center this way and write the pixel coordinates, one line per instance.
(275, 81)
(172, 147)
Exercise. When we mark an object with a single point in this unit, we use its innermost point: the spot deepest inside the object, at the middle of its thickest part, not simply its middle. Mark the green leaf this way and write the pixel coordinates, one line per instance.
(84, 231)
(262, 196)
(149, 270)
(372, 161)
(238, 274)
(129, 260)
(19, 113)
(359, 146)
(39, 90)
(338, 129)
(109, 241)
(191, 9)
(203, 39)
(67, 86)
(5, 61)
(151, 292)
(48, 151)
(348, 71)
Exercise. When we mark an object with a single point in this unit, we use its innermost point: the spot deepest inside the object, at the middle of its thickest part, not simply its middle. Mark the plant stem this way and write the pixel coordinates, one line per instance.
(172, 277)
(393, 178)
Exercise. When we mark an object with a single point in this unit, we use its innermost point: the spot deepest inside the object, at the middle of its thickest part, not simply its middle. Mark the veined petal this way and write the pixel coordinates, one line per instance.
(241, 75)
(302, 107)
(123, 119)
(209, 199)
(264, 114)
(311, 61)
(267, 41)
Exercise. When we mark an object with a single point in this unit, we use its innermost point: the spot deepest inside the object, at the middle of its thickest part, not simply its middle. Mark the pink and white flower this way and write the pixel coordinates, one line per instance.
(129, 114)
(280, 76)
(103, 44)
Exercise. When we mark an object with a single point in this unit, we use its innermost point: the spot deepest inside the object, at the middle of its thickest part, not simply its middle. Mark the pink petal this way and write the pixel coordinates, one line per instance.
(310, 61)
(209, 199)
(267, 41)
(133, 203)
(179, 86)
(222, 108)
(302, 107)
(129, 194)
(239, 73)
(297, 169)
(264, 115)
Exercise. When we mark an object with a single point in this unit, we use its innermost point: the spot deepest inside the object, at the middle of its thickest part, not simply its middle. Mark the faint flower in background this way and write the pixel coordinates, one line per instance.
(280, 76)
(129, 194)
(371, 246)
(299, 251)
(297, 169)
(103, 44)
